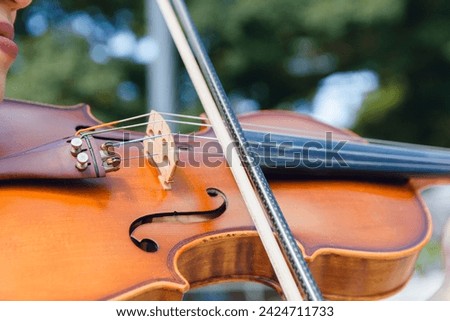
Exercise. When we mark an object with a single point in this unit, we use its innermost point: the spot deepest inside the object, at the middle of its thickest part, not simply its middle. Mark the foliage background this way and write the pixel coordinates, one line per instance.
(405, 42)
(274, 52)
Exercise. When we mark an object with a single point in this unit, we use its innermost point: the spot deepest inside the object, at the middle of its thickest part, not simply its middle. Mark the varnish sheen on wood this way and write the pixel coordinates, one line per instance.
(69, 239)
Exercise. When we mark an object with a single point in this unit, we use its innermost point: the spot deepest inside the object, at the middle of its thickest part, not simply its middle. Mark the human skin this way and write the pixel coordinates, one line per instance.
(8, 49)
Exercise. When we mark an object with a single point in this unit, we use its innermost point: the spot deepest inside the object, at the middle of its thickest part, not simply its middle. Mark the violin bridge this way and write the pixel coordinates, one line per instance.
(160, 149)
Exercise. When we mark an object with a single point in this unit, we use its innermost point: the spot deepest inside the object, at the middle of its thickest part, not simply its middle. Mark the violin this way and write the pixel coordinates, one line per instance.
(128, 236)
(94, 211)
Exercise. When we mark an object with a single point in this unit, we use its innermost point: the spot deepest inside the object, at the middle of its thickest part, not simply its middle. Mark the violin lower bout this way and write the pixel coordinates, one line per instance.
(240, 256)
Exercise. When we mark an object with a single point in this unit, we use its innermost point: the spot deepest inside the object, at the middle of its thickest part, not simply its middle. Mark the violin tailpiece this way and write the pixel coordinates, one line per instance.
(54, 160)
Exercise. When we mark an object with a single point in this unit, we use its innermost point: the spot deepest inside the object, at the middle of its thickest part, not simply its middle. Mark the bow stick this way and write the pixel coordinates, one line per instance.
(283, 252)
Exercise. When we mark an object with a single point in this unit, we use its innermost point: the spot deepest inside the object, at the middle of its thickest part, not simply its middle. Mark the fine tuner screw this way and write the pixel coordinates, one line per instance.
(82, 161)
(76, 144)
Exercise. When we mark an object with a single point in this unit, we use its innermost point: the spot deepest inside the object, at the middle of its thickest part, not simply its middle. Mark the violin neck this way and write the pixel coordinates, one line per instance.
(280, 153)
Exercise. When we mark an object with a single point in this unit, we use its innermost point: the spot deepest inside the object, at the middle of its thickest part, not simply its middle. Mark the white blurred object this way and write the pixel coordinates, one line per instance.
(438, 201)
(444, 291)
(421, 287)
(340, 96)
(434, 282)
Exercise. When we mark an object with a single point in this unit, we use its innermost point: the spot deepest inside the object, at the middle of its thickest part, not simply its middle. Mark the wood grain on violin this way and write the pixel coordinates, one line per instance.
(69, 239)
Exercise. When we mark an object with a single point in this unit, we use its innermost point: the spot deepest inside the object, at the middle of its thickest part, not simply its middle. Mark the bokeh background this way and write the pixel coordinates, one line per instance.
(378, 67)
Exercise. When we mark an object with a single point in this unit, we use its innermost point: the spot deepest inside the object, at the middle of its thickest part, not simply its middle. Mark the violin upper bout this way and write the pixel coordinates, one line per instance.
(34, 124)
(288, 123)
(294, 124)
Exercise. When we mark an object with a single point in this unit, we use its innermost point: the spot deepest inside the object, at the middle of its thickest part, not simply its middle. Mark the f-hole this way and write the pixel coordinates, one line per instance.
(150, 245)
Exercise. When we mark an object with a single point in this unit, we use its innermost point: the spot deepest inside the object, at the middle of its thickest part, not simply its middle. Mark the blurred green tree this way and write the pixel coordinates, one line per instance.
(55, 64)
(274, 52)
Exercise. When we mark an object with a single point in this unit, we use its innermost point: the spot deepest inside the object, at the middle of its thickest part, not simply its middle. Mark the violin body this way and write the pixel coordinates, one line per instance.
(69, 239)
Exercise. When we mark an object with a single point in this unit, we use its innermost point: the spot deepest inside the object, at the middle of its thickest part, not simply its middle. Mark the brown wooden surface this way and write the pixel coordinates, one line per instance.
(68, 239)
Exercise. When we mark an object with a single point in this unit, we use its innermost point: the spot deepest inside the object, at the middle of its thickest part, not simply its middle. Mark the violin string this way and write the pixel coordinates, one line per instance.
(304, 133)
(296, 161)
(301, 149)
(307, 134)
(430, 162)
(183, 116)
(92, 133)
(256, 127)
(292, 148)
(277, 130)
(261, 127)
(348, 138)
(272, 158)
(96, 132)
(198, 136)
(138, 140)
(187, 123)
(341, 152)
(145, 138)
(406, 145)
(89, 129)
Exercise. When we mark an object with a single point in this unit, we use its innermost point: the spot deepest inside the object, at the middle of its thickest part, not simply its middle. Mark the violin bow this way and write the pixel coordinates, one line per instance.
(284, 254)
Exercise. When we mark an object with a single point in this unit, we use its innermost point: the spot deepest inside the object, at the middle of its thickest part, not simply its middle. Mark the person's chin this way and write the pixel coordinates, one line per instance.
(6, 60)
(2, 86)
